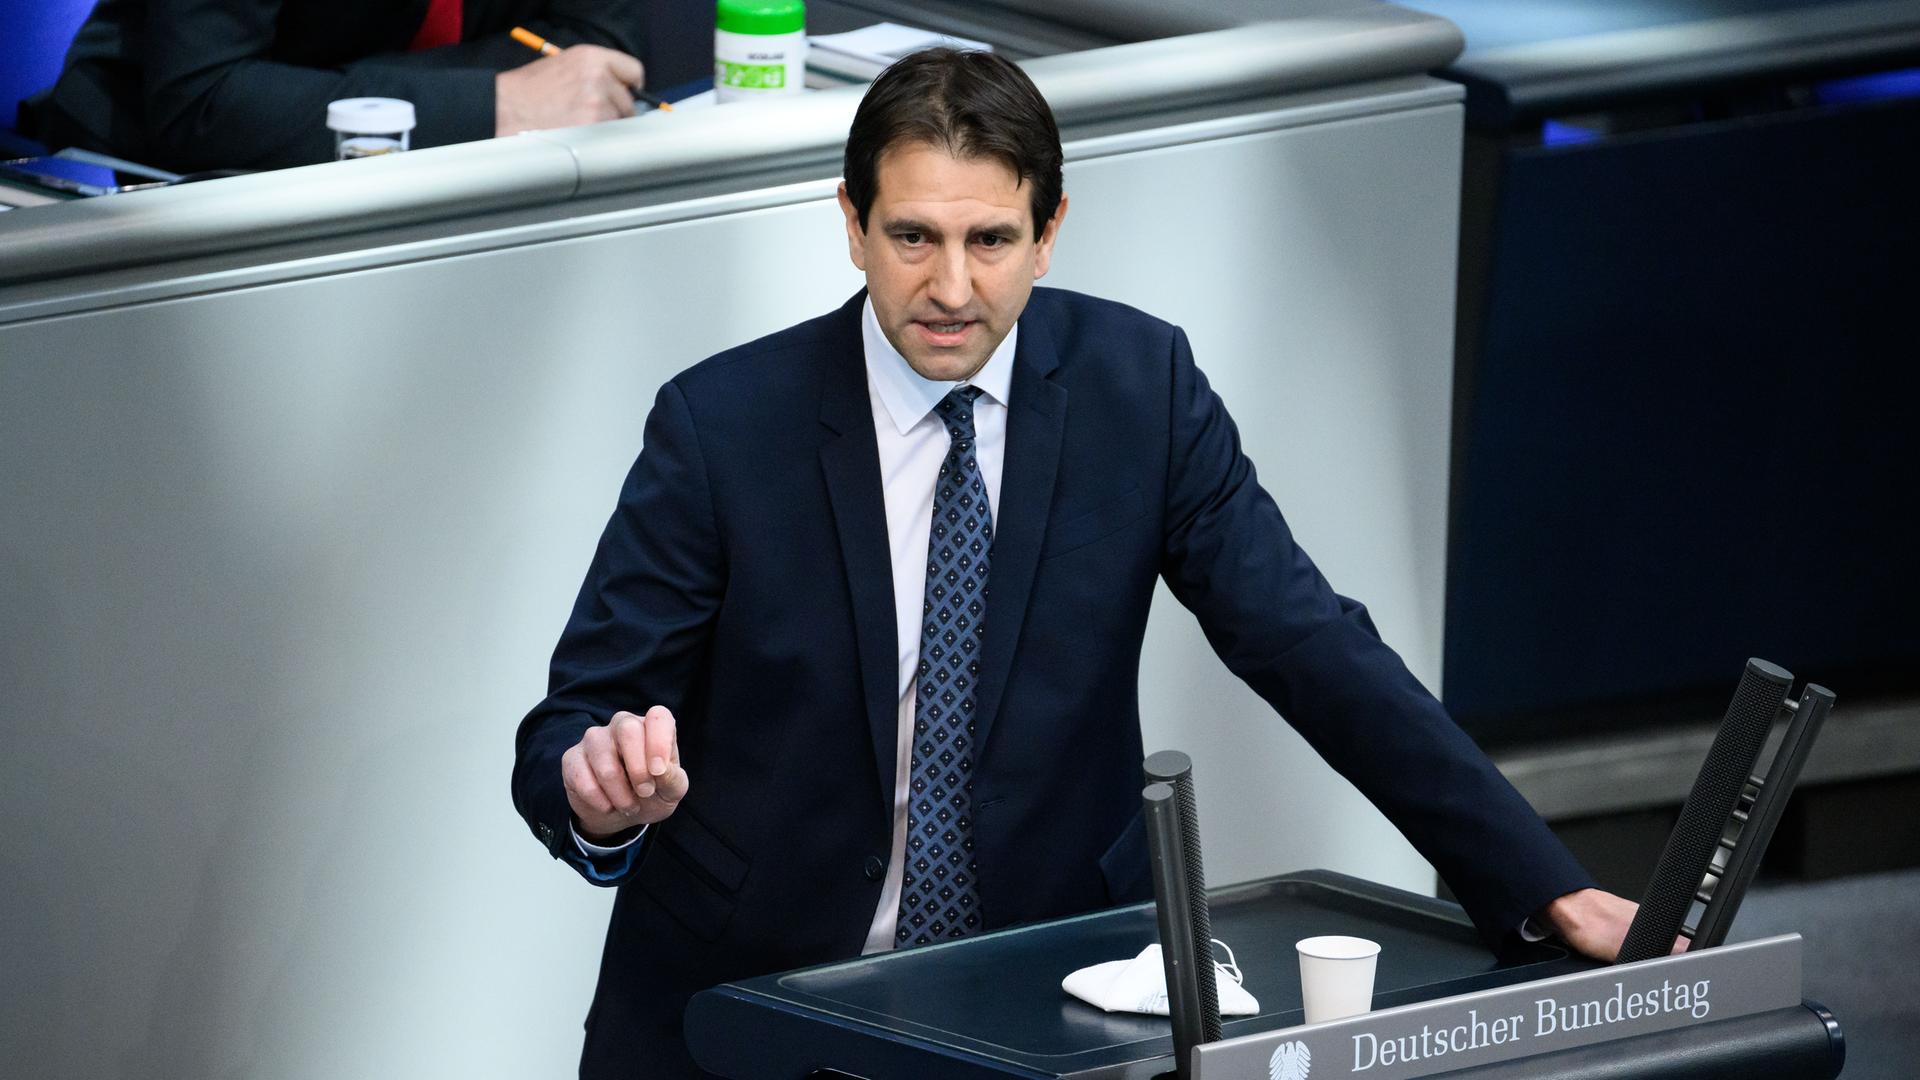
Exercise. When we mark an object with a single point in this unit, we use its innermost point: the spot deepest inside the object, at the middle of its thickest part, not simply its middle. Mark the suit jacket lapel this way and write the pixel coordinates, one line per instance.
(1036, 418)
(851, 463)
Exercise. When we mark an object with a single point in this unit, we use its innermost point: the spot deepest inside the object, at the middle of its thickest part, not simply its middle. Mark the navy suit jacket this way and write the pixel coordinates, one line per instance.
(745, 582)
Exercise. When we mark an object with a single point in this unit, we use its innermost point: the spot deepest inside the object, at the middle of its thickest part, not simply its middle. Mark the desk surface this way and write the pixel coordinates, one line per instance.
(995, 1001)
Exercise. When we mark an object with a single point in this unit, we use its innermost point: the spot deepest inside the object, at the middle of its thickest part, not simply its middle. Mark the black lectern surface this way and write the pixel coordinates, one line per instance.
(993, 1006)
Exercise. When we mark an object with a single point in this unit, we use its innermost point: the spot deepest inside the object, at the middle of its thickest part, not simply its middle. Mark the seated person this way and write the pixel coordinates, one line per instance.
(193, 85)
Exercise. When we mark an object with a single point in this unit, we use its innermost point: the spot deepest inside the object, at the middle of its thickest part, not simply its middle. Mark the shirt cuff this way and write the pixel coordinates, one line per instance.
(1531, 930)
(607, 865)
(601, 850)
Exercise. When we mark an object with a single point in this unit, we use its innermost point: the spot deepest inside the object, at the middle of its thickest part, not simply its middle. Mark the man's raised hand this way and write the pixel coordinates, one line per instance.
(624, 773)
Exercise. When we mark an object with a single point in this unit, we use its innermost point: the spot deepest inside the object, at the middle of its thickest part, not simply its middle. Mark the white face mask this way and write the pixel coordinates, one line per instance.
(1139, 985)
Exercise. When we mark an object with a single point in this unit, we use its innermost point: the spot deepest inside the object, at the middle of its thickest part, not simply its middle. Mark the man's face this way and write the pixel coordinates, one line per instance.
(949, 254)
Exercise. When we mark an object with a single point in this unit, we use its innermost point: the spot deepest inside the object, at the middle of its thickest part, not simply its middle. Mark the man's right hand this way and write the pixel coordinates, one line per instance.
(581, 85)
(624, 773)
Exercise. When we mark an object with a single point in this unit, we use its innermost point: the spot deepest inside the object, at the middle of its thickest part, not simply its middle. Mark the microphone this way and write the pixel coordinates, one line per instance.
(1175, 769)
(1758, 817)
(1677, 878)
(1180, 904)
(1170, 909)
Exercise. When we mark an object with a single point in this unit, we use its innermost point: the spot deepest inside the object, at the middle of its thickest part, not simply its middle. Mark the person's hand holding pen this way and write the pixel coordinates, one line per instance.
(583, 84)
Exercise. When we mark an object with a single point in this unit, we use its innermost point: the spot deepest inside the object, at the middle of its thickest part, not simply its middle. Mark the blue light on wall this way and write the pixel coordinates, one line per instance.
(1556, 133)
(32, 47)
(1876, 87)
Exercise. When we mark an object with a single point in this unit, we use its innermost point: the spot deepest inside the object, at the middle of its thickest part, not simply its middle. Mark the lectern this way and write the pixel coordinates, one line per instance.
(991, 1006)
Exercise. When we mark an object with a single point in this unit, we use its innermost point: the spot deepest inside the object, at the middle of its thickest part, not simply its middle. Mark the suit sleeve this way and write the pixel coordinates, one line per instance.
(1316, 658)
(217, 99)
(613, 24)
(640, 627)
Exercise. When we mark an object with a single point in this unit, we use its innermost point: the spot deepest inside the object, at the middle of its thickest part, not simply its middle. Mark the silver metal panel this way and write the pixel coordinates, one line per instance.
(547, 168)
(281, 564)
(404, 244)
(1314, 273)
(1508, 1023)
(1566, 74)
(244, 212)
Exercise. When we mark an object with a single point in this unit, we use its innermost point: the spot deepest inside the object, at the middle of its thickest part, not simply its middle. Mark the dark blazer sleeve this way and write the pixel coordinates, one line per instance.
(217, 97)
(1316, 658)
(614, 24)
(640, 628)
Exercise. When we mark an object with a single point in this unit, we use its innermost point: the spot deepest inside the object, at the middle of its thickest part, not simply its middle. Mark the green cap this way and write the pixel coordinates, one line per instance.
(761, 16)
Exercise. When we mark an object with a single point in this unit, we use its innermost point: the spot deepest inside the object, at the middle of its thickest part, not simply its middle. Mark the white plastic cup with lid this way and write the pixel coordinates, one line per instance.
(369, 126)
(1336, 976)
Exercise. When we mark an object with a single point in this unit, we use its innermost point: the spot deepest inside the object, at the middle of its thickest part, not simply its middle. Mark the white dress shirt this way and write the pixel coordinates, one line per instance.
(913, 442)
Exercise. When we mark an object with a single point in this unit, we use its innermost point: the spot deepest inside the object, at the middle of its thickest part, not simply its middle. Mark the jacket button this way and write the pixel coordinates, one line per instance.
(874, 868)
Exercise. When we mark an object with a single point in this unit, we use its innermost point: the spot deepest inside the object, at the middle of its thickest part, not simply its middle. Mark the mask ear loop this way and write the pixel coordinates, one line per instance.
(1230, 967)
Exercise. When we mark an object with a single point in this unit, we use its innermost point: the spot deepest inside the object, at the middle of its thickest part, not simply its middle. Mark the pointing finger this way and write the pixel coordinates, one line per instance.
(630, 742)
(661, 749)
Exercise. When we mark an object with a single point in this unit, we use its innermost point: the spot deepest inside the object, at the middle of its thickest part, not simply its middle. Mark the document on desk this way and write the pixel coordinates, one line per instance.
(864, 53)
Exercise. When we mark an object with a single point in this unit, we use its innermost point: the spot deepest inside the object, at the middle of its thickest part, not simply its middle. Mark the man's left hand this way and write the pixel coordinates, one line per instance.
(1594, 922)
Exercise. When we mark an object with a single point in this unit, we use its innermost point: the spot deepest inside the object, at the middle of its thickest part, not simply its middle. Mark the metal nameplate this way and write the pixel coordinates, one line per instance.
(1519, 1021)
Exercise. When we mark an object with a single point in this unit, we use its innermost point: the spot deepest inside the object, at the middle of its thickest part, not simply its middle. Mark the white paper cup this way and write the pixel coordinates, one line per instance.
(1336, 976)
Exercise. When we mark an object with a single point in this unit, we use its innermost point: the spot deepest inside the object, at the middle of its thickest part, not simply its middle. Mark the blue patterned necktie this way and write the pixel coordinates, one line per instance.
(939, 892)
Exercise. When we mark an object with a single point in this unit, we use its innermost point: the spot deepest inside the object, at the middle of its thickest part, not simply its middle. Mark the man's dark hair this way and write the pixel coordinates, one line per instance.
(972, 105)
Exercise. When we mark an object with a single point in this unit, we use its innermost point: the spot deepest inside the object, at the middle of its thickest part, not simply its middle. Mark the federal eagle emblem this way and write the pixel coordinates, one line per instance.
(1290, 1062)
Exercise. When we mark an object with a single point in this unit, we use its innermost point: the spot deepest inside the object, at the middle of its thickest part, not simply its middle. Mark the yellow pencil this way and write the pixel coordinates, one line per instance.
(534, 41)
(547, 48)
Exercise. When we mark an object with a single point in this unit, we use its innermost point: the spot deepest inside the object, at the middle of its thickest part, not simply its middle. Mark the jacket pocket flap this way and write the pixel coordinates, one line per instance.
(687, 893)
(704, 851)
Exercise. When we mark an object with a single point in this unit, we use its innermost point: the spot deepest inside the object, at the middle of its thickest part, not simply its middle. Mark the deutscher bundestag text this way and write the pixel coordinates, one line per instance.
(1549, 1016)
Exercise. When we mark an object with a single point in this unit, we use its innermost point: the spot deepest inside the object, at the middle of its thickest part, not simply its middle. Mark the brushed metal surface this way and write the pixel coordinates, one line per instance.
(1367, 41)
(709, 196)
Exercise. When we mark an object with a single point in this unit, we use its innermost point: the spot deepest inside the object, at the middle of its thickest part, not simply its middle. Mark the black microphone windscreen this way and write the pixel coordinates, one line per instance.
(1716, 791)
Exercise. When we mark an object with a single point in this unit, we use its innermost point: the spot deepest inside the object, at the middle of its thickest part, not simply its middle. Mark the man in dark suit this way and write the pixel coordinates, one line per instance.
(876, 589)
(211, 84)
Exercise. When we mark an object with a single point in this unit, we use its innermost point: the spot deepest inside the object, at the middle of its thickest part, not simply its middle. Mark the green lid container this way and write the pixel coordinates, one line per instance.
(761, 16)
